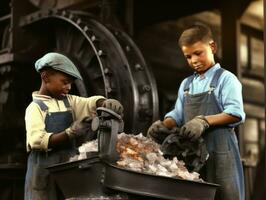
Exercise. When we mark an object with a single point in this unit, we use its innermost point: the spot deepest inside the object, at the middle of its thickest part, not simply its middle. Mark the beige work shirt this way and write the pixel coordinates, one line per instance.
(37, 137)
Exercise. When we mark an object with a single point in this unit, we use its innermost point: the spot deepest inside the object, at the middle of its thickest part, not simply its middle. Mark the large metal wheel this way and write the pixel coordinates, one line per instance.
(108, 59)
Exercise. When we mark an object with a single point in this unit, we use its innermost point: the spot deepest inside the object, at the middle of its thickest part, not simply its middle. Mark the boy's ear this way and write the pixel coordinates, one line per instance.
(45, 77)
(213, 46)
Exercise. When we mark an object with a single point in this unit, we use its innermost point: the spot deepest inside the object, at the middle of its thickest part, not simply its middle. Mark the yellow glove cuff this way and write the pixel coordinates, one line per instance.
(70, 133)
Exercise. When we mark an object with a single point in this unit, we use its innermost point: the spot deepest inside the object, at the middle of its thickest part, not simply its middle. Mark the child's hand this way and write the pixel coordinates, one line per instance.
(194, 128)
(158, 131)
(113, 105)
(78, 129)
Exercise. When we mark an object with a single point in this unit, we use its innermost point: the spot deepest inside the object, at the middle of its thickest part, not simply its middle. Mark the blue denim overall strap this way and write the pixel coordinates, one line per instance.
(39, 184)
(224, 166)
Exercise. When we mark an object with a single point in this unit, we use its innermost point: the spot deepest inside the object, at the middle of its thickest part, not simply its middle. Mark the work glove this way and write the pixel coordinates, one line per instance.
(158, 131)
(194, 128)
(79, 128)
(113, 105)
(193, 153)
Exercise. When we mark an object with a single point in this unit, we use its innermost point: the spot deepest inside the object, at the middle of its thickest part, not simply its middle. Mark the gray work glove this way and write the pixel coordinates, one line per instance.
(194, 128)
(113, 105)
(79, 128)
(158, 131)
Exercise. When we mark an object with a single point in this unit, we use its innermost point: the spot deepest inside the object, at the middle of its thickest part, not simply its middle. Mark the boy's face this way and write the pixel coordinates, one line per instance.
(200, 55)
(57, 84)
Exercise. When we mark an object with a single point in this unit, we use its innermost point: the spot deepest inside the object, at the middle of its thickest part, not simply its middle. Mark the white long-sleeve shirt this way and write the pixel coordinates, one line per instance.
(37, 137)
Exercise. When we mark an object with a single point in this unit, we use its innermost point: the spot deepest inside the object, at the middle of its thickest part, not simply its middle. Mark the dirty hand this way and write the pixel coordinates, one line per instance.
(79, 128)
(113, 105)
(158, 131)
(194, 128)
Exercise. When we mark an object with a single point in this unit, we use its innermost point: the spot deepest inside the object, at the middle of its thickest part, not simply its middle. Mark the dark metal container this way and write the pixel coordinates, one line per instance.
(80, 178)
(92, 177)
(157, 186)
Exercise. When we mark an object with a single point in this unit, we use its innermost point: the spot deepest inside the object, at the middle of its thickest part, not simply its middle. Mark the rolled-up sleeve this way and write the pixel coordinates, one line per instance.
(231, 97)
(37, 137)
(177, 113)
(84, 106)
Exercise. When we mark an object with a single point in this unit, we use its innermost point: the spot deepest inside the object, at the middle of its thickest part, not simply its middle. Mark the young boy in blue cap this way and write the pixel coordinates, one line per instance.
(209, 104)
(54, 119)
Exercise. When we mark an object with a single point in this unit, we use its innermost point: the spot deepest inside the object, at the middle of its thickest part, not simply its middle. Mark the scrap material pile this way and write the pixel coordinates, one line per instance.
(142, 154)
(91, 146)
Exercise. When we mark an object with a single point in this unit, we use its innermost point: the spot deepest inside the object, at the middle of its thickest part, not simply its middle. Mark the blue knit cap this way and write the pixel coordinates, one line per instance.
(58, 62)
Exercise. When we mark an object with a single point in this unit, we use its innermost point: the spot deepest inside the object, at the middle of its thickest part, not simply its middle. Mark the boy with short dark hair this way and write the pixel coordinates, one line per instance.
(54, 120)
(209, 104)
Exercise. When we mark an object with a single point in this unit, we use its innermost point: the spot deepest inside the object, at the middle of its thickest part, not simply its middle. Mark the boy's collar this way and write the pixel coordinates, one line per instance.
(35, 95)
(209, 71)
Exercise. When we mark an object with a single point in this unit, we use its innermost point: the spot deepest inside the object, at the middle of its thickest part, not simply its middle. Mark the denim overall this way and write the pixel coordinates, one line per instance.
(223, 166)
(38, 184)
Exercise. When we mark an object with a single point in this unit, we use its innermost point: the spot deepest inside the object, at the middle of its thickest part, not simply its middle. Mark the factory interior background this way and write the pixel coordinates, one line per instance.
(156, 65)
